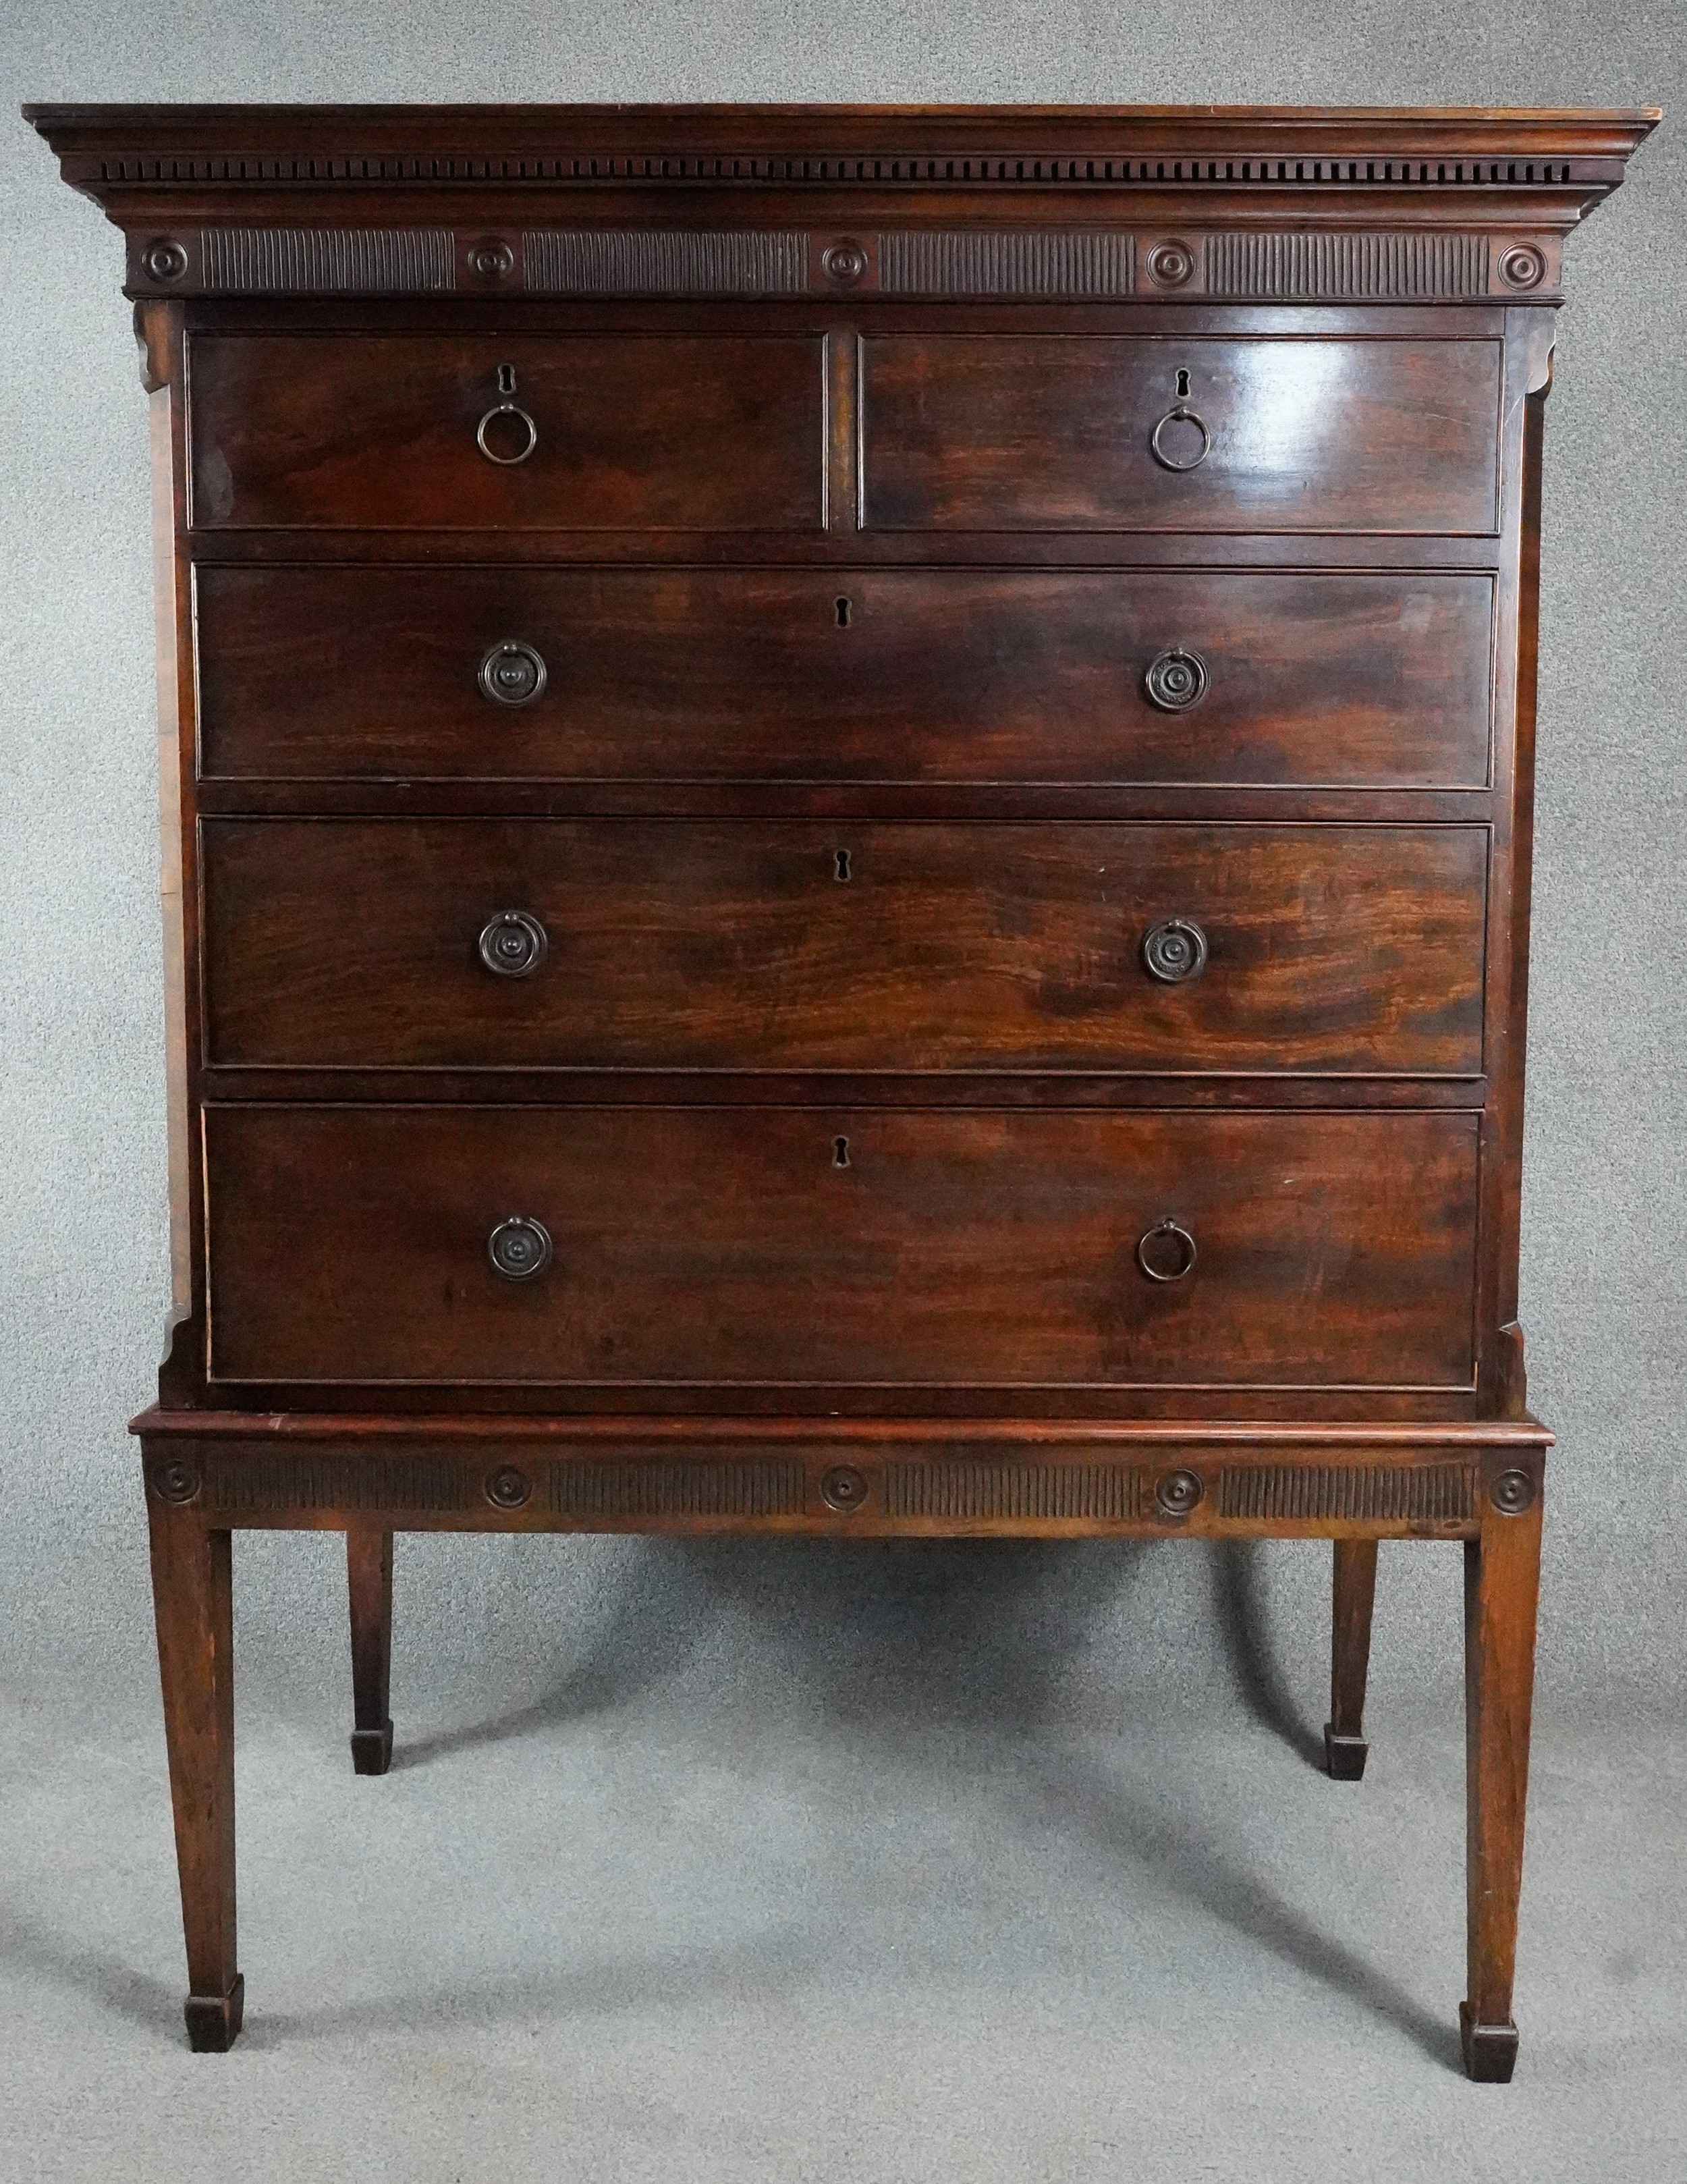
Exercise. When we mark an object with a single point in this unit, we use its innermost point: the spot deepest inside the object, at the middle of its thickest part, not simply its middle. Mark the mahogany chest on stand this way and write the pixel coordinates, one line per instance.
(847, 813)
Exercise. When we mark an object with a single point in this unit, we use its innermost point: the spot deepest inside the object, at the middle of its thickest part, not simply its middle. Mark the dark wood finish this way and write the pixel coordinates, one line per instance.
(1359, 679)
(368, 1575)
(1021, 1476)
(1032, 433)
(193, 1601)
(1502, 1581)
(1354, 1592)
(632, 432)
(720, 1247)
(353, 944)
(982, 992)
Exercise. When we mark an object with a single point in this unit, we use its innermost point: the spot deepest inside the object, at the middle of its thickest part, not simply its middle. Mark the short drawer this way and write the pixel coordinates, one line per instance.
(783, 1247)
(1353, 680)
(1102, 432)
(751, 945)
(578, 433)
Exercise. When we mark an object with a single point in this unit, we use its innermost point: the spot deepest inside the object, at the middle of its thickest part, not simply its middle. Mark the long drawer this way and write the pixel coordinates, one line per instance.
(1064, 432)
(1349, 680)
(430, 430)
(769, 946)
(788, 1247)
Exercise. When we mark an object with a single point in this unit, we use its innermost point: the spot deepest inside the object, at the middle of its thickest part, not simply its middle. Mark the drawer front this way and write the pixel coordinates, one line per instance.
(974, 676)
(768, 946)
(1052, 432)
(782, 1246)
(630, 433)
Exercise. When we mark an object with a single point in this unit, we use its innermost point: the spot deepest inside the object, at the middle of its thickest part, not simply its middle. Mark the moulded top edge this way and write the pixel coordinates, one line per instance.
(803, 114)
(819, 132)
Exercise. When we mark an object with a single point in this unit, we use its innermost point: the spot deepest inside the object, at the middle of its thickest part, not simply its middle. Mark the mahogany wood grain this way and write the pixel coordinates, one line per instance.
(846, 540)
(1350, 679)
(904, 1249)
(352, 943)
(692, 433)
(368, 1575)
(193, 1609)
(1354, 1592)
(967, 432)
(1502, 1585)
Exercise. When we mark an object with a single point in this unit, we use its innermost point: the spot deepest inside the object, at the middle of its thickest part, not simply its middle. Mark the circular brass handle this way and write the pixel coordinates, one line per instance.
(1168, 1232)
(1181, 414)
(1173, 950)
(507, 410)
(512, 674)
(513, 945)
(519, 1248)
(1175, 680)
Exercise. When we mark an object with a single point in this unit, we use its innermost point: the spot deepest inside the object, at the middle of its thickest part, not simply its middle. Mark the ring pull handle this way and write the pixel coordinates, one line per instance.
(519, 1248)
(512, 674)
(513, 945)
(1175, 680)
(1180, 414)
(1167, 1241)
(1174, 950)
(508, 407)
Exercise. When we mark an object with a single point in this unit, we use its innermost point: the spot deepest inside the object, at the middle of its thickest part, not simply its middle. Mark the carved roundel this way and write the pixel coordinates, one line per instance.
(175, 1479)
(844, 263)
(1178, 1492)
(844, 1489)
(1512, 1493)
(1171, 264)
(163, 260)
(491, 258)
(508, 1488)
(1522, 266)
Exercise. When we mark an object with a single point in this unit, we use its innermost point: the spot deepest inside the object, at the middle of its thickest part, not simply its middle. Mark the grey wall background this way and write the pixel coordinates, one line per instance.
(83, 1255)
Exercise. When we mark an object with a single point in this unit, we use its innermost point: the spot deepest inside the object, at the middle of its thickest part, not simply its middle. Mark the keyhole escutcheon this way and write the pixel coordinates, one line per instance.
(840, 865)
(842, 609)
(1183, 386)
(840, 1152)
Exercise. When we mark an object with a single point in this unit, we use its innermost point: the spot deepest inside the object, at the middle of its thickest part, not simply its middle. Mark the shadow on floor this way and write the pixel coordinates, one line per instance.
(1239, 1599)
(29, 1947)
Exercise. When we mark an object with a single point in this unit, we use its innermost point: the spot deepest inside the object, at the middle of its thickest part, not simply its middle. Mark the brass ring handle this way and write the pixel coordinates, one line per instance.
(513, 945)
(1181, 415)
(1174, 950)
(519, 1248)
(506, 409)
(512, 674)
(1175, 680)
(1170, 1231)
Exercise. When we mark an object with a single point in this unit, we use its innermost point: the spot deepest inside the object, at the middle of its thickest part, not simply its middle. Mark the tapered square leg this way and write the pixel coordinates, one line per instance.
(1502, 1585)
(368, 1575)
(193, 1603)
(1353, 1593)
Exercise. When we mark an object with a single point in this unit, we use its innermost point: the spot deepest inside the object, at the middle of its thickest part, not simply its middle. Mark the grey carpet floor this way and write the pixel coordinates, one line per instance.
(637, 1939)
